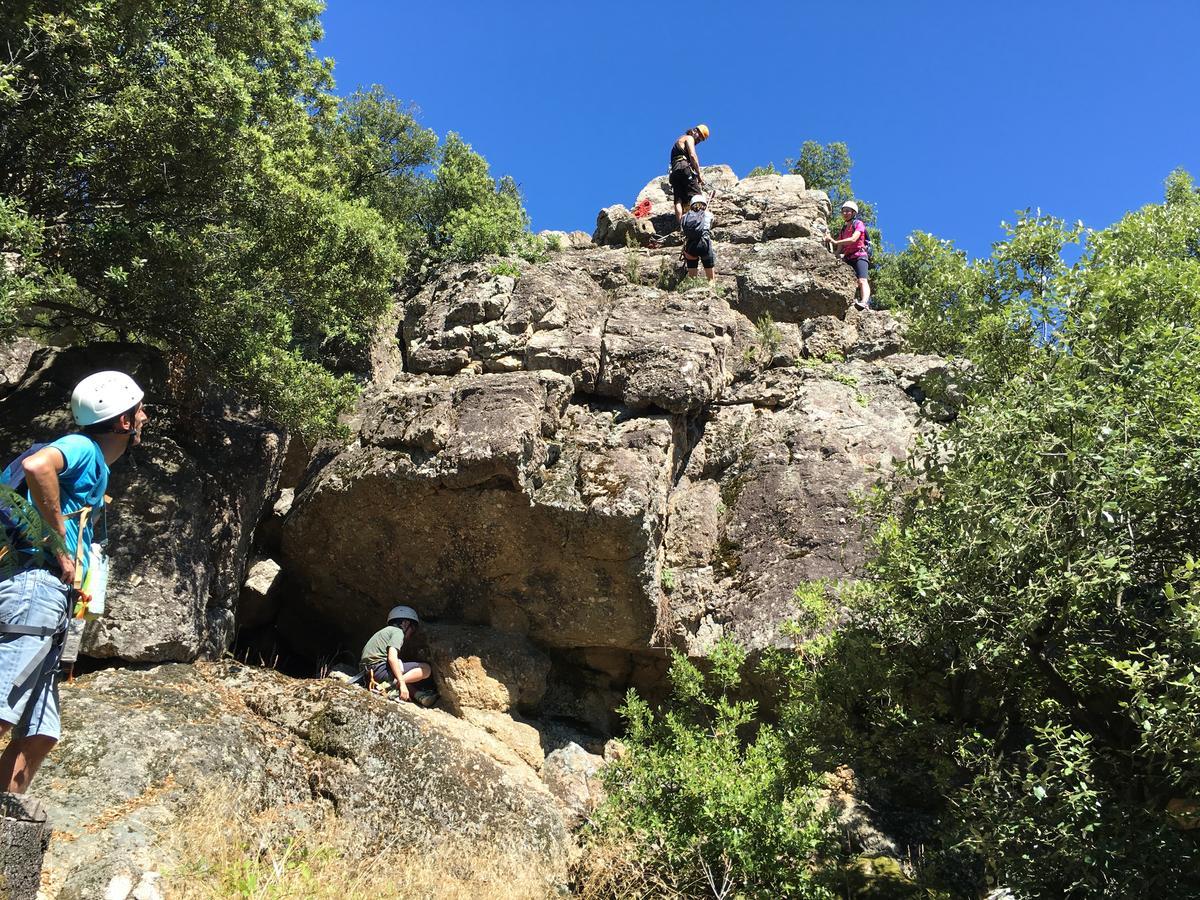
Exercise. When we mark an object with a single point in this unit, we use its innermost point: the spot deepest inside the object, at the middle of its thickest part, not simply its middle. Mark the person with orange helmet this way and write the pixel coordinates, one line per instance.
(685, 176)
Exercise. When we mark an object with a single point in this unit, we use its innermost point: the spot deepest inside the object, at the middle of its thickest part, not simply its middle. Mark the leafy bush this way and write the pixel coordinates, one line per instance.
(702, 804)
(33, 532)
(505, 267)
(1033, 609)
(768, 169)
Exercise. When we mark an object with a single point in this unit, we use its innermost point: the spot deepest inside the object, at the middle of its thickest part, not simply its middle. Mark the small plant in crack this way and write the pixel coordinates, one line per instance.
(767, 340)
(668, 580)
(633, 263)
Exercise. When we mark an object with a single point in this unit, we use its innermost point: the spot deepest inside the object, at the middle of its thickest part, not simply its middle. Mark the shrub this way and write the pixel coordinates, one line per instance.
(705, 805)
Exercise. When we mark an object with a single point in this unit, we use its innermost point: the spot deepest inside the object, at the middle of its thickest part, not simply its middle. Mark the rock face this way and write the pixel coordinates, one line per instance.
(185, 503)
(599, 458)
(15, 356)
(138, 745)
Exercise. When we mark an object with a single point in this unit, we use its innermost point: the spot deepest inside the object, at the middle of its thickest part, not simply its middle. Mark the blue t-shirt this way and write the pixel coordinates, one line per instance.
(82, 482)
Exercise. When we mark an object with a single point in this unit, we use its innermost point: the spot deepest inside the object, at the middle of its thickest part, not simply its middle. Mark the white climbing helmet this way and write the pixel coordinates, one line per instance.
(103, 396)
(851, 205)
(404, 612)
(699, 199)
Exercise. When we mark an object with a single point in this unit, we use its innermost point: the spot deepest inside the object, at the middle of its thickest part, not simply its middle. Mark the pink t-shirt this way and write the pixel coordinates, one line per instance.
(857, 250)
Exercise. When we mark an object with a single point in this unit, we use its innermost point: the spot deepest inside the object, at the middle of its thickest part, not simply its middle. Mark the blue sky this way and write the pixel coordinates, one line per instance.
(956, 114)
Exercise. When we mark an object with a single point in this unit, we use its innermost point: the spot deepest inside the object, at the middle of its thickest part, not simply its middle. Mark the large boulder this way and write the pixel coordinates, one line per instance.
(573, 776)
(185, 502)
(596, 457)
(139, 746)
(666, 351)
(794, 280)
(492, 500)
(15, 356)
(484, 669)
(551, 317)
(618, 227)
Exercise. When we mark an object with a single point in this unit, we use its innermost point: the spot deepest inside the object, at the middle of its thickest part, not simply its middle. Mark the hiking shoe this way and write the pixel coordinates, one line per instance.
(864, 307)
(426, 697)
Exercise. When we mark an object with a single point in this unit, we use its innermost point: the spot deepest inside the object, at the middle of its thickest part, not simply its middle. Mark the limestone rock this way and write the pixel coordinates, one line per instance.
(666, 352)
(842, 798)
(695, 523)
(185, 503)
(636, 464)
(787, 455)
(484, 669)
(25, 835)
(827, 337)
(15, 356)
(877, 335)
(550, 318)
(522, 738)
(617, 227)
(491, 500)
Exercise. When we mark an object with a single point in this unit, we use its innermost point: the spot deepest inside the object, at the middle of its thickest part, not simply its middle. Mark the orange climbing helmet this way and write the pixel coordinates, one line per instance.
(702, 130)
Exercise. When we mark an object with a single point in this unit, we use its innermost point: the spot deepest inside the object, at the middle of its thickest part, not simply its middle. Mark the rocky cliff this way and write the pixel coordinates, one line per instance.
(605, 458)
(567, 466)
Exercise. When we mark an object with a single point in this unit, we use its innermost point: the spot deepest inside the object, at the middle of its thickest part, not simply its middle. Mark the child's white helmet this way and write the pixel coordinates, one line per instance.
(404, 612)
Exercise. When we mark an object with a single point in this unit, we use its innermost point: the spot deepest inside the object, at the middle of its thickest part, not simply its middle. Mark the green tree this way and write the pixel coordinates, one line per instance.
(826, 167)
(187, 178)
(175, 192)
(1033, 605)
(995, 311)
(376, 144)
(466, 214)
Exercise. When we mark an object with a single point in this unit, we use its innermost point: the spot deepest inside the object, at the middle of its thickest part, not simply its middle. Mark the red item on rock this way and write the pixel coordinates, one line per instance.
(642, 209)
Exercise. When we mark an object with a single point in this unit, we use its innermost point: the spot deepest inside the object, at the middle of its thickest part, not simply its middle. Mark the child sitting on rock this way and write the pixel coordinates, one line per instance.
(383, 668)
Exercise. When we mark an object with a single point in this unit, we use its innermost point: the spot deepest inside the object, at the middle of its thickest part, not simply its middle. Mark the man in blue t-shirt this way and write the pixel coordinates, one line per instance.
(63, 478)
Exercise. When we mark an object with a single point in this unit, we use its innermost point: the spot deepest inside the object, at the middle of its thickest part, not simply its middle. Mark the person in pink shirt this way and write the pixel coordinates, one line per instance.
(852, 244)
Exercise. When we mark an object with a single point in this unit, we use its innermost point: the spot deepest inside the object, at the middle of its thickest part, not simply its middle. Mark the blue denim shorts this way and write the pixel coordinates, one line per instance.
(31, 597)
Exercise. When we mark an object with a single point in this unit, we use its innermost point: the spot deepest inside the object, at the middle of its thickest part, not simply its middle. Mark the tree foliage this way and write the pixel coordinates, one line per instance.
(702, 810)
(1034, 601)
(826, 167)
(184, 176)
(993, 311)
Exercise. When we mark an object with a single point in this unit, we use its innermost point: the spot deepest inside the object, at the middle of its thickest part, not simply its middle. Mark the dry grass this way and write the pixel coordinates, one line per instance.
(223, 850)
(612, 870)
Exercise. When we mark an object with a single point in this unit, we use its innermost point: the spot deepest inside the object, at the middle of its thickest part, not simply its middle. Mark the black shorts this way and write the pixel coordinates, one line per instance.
(859, 266)
(684, 184)
(704, 253)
